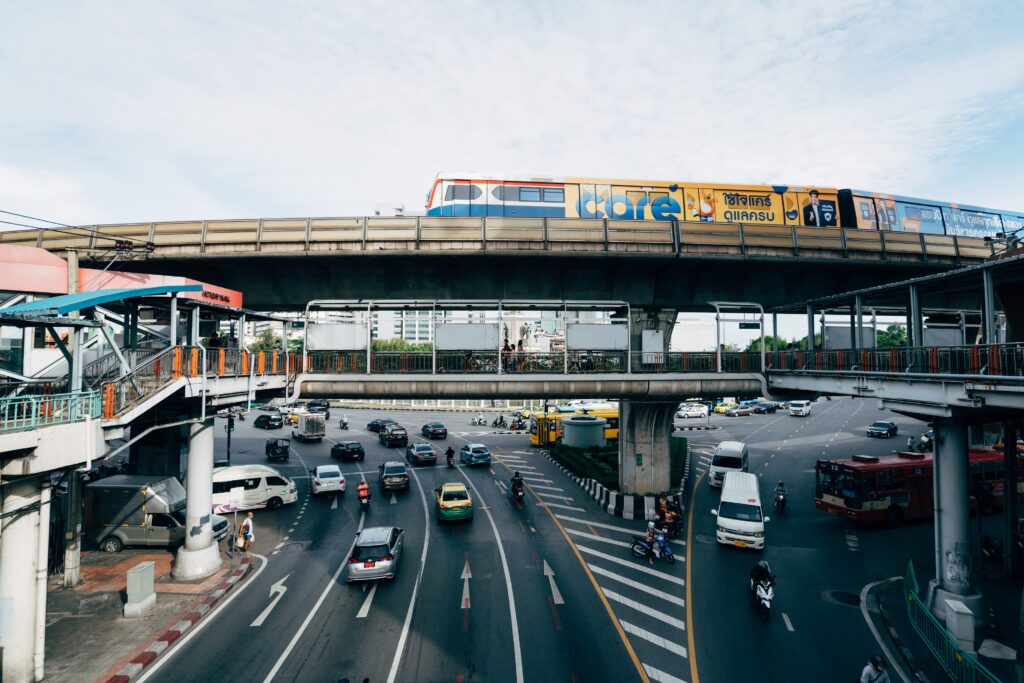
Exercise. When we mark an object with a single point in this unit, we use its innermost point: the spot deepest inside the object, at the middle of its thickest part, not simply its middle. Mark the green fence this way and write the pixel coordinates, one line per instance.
(962, 667)
(21, 413)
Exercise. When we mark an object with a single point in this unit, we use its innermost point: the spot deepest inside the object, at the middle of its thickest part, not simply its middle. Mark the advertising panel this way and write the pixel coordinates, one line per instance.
(920, 218)
(967, 223)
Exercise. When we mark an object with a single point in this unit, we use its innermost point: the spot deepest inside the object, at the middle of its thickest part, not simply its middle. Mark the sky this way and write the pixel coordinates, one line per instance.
(128, 111)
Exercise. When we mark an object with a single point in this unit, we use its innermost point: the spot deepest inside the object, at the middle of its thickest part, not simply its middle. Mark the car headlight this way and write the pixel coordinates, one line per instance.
(721, 529)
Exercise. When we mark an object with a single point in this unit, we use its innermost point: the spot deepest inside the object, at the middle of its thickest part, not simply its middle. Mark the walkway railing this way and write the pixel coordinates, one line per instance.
(528, 363)
(149, 377)
(1006, 360)
(961, 666)
(22, 413)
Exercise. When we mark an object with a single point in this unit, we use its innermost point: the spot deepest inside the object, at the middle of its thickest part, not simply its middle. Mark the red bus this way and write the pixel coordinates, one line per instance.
(897, 488)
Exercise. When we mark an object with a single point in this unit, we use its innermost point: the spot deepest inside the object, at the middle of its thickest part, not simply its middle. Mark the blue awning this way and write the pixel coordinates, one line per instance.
(71, 303)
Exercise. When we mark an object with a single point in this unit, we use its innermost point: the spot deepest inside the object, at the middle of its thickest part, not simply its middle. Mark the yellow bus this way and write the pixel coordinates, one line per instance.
(553, 422)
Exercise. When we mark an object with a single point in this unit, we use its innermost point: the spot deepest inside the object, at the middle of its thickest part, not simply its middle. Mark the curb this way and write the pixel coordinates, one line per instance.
(904, 650)
(627, 506)
(161, 644)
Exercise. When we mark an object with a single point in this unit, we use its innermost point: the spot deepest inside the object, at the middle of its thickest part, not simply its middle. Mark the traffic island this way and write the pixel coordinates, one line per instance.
(89, 638)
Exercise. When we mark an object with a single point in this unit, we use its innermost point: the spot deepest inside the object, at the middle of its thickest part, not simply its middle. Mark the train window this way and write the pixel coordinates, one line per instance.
(529, 194)
(464, 192)
(554, 194)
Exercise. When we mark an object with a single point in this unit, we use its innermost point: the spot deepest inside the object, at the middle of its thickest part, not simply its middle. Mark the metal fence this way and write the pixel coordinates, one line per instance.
(962, 667)
(20, 413)
(149, 377)
(976, 359)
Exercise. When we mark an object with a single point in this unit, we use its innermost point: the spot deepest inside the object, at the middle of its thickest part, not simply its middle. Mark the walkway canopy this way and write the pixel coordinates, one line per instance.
(80, 301)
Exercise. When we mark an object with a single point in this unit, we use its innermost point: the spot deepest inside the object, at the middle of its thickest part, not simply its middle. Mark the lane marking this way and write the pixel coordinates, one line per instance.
(556, 595)
(544, 494)
(365, 609)
(549, 488)
(689, 592)
(602, 539)
(643, 587)
(625, 530)
(632, 565)
(874, 631)
(644, 609)
(652, 638)
(334, 503)
(559, 505)
(789, 624)
(466, 576)
(661, 676)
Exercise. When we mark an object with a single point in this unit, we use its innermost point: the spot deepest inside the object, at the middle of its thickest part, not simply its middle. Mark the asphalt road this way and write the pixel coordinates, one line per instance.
(559, 598)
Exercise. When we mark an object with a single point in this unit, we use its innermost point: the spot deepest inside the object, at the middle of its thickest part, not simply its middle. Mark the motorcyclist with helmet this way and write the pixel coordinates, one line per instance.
(760, 572)
(449, 455)
(651, 539)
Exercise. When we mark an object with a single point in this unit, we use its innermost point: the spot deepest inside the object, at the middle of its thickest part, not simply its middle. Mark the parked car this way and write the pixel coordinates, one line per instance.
(393, 475)
(376, 554)
(348, 451)
(692, 410)
(452, 502)
(278, 449)
(737, 411)
(725, 406)
(320, 407)
(379, 424)
(393, 435)
(328, 478)
(765, 407)
(434, 430)
(420, 454)
(268, 421)
(883, 429)
(475, 454)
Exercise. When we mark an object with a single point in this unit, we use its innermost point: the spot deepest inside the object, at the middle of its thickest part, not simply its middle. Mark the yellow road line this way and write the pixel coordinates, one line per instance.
(689, 583)
(597, 589)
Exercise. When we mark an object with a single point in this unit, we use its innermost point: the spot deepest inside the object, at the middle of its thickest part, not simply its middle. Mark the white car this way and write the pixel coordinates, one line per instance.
(692, 410)
(328, 478)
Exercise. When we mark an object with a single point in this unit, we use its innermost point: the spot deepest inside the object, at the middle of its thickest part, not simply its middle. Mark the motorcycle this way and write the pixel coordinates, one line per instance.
(478, 422)
(762, 593)
(992, 549)
(500, 422)
(517, 492)
(451, 461)
(241, 417)
(662, 551)
(343, 424)
(364, 500)
(780, 502)
(518, 424)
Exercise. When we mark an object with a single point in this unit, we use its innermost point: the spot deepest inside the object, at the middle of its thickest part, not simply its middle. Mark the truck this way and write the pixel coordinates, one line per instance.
(139, 510)
(310, 427)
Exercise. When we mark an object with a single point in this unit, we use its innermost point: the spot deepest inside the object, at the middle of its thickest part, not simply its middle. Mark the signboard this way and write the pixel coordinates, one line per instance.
(466, 337)
(592, 337)
(750, 326)
(235, 497)
(336, 337)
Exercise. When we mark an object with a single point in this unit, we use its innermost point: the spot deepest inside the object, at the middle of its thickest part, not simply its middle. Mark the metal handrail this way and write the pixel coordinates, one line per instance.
(21, 413)
(149, 377)
(991, 361)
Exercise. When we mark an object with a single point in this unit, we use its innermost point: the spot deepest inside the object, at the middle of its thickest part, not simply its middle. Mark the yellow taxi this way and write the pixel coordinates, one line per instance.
(452, 502)
(725, 406)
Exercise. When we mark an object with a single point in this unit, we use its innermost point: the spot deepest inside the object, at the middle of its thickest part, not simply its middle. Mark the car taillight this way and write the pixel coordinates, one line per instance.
(353, 559)
(387, 558)
(316, 481)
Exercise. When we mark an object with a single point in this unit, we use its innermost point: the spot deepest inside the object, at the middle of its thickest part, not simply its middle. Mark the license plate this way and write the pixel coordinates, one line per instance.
(369, 564)
(740, 544)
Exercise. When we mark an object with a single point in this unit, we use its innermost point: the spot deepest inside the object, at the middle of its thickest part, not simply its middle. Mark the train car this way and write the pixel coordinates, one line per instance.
(531, 196)
(878, 211)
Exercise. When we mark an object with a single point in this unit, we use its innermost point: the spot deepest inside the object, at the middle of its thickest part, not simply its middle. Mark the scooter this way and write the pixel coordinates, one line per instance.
(364, 500)
(499, 422)
(478, 422)
(343, 424)
(780, 502)
(517, 492)
(518, 424)
(762, 593)
(451, 461)
(662, 551)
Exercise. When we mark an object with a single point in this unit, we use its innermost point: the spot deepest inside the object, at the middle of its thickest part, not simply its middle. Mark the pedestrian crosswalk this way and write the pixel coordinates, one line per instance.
(649, 601)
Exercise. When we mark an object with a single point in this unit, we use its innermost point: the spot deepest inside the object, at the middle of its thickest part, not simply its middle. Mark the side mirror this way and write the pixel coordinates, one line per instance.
(714, 512)
(767, 519)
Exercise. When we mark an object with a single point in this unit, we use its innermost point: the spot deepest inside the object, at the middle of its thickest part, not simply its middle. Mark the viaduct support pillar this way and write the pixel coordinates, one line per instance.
(24, 543)
(954, 578)
(645, 432)
(200, 556)
(73, 530)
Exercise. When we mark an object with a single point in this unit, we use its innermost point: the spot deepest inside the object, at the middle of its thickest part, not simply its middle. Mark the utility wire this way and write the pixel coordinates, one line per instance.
(116, 238)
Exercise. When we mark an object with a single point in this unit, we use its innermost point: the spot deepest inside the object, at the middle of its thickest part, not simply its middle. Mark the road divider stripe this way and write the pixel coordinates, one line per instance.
(632, 565)
(652, 638)
(601, 539)
(544, 494)
(644, 609)
(559, 505)
(642, 587)
(625, 530)
(661, 676)
(549, 488)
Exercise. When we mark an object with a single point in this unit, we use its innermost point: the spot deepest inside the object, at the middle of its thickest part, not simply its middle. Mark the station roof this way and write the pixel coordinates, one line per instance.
(71, 303)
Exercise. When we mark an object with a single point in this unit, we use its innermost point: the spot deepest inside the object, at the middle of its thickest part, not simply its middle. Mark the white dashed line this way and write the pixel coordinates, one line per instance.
(644, 609)
(642, 587)
(789, 624)
(651, 638)
(660, 676)
(602, 539)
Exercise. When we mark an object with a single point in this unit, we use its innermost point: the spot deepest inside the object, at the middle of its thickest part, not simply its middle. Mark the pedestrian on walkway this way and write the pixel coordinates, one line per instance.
(247, 531)
(875, 671)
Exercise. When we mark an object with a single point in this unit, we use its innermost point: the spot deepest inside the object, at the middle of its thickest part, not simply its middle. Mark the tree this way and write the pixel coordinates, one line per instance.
(755, 344)
(296, 345)
(894, 335)
(801, 345)
(266, 341)
(399, 345)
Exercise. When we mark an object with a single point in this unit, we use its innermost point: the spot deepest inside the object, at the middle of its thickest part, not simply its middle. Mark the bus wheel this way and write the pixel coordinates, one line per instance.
(893, 516)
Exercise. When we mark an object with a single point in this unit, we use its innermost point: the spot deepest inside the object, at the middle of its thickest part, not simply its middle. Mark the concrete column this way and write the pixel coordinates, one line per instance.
(200, 556)
(173, 331)
(858, 330)
(954, 579)
(1009, 497)
(641, 319)
(645, 428)
(20, 535)
(915, 323)
(810, 329)
(73, 530)
(988, 308)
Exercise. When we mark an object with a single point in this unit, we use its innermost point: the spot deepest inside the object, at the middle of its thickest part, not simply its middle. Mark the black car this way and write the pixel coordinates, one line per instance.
(268, 421)
(765, 407)
(379, 424)
(420, 454)
(883, 429)
(393, 435)
(434, 430)
(348, 451)
(320, 406)
(278, 449)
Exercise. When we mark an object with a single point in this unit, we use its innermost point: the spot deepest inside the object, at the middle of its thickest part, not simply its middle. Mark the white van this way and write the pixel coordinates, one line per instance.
(800, 408)
(740, 520)
(730, 456)
(261, 486)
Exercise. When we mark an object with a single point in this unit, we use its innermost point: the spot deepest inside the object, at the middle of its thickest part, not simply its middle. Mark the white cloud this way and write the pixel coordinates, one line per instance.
(162, 111)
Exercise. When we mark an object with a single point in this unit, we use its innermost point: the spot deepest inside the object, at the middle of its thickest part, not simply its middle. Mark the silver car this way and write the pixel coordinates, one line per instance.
(376, 554)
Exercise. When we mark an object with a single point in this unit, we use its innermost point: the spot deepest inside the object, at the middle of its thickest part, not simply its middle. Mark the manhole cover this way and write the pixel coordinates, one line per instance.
(296, 547)
(706, 538)
(842, 598)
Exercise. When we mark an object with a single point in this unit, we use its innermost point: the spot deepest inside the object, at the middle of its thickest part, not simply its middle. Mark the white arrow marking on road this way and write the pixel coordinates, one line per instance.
(279, 589)
(466, 576)
(334, 505)
(393, 499)
(555, 595)
(365, 609)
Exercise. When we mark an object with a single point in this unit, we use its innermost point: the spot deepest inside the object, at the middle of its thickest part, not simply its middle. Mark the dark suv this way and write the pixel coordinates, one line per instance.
(348, 451)
(434, 430)
(393, 435)
(393, 475)
(274, 421)
(321, 406)
(379, 424)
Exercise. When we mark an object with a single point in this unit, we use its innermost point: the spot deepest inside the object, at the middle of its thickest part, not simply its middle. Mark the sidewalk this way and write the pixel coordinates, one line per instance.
(993, 642)
(88, 639)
